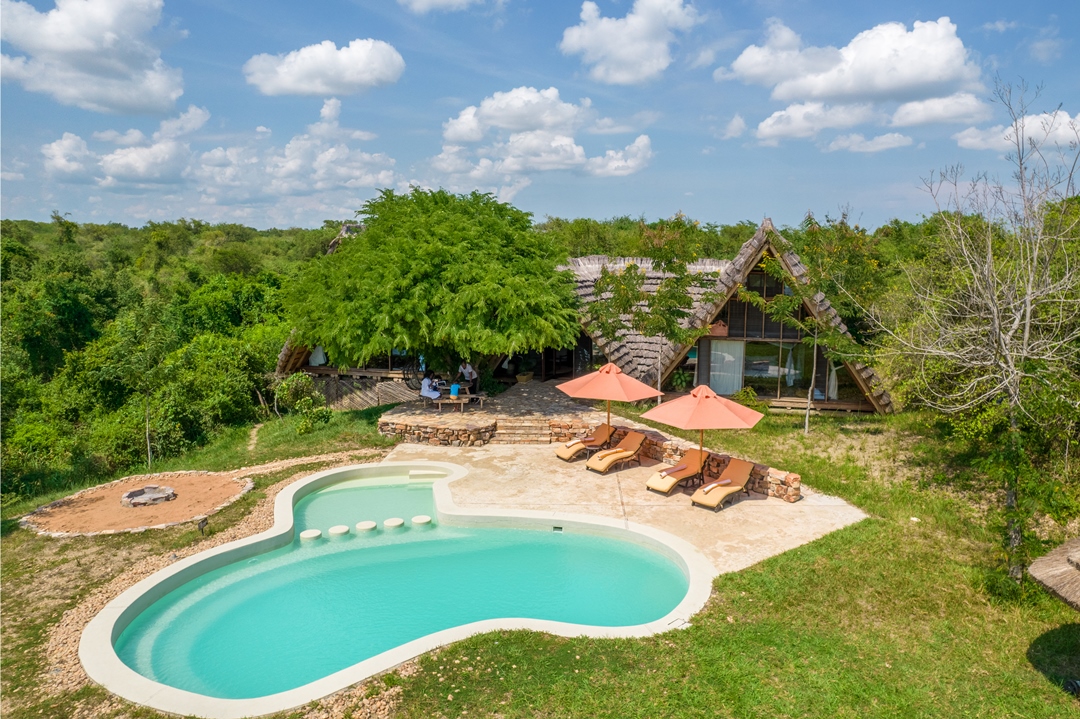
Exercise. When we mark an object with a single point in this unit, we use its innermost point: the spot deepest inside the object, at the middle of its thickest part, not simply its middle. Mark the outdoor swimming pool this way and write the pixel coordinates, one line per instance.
(295, 618)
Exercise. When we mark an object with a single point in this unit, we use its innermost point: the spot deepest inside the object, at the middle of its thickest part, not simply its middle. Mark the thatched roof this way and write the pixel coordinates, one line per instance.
(1059, 572)
(639, 356)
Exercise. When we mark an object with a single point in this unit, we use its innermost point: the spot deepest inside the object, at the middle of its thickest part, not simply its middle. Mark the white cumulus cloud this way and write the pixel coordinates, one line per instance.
(69, 158)
(124, 139)
(161, 162)
(617, 163)
(1047, 129)
(886, 62)
(510, 136)
(523, 108)
(807, 119)
(735, 128)
(324, 69)
(889, 74)
(857, 143)
(93, 54)
(632, 49)
(961, 107)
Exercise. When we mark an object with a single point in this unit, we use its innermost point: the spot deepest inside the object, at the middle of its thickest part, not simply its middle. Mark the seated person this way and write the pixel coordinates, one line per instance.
(428, 386)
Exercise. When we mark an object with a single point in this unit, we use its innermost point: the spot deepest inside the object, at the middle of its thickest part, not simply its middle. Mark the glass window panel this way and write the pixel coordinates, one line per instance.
(725, 366)
(795, 368)
(772, 328)
(755, 282)
(754, 322)
(761, 367)
(736, 319)
(773, 286)
(841, 385)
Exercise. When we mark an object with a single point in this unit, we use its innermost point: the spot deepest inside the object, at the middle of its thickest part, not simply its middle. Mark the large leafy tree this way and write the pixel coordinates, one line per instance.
(436, 274)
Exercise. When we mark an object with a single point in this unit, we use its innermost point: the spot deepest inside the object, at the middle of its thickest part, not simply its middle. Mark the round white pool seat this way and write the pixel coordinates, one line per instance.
(394, 522)
(311, 534)
(338, 530)
(366, 526)
(421, 519)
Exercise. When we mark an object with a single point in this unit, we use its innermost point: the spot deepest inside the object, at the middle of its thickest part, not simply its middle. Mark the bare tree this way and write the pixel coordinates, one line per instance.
(998, 314)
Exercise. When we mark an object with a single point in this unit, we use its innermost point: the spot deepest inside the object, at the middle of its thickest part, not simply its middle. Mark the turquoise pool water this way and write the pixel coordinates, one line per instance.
(306, 610)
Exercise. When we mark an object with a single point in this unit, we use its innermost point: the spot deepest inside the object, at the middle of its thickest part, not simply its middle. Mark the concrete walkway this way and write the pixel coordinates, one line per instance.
(532, 477)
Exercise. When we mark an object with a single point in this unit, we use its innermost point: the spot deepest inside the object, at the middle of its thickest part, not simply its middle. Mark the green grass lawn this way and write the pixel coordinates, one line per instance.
(886, 618)
(276, 439)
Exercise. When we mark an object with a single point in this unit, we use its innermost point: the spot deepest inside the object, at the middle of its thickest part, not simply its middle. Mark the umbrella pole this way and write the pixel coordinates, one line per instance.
(701, 441)
(609, 413)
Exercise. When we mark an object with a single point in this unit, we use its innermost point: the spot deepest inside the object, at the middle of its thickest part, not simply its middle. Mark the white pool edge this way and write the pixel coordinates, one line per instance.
(103, 665)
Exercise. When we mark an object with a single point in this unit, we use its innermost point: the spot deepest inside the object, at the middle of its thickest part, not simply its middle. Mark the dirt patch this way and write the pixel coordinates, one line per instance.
(253, 438)
(98, 509)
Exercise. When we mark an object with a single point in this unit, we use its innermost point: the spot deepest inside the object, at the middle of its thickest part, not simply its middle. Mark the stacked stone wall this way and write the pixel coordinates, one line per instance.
(766, 480)
(447, 436)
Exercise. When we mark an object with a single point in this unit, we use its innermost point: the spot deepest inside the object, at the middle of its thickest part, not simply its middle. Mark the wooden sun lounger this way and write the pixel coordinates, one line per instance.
(626, 451)
(666, 480)
(596, 440)
(730, 482)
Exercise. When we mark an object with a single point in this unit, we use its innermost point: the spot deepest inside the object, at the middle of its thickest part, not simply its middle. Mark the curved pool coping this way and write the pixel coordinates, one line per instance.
(103, 665)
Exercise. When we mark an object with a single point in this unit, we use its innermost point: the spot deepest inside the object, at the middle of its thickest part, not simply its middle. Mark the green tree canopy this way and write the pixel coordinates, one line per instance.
(437, 274)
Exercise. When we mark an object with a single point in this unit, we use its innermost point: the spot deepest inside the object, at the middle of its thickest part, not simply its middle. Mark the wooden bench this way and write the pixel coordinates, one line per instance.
(461, 400)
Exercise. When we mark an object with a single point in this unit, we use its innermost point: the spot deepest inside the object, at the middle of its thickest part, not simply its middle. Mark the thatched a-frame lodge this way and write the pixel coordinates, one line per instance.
(744, 347)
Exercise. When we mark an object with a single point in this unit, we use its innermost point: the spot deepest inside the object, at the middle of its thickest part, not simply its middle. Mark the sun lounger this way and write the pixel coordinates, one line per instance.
(626, 451)
(688, 467)
(596, 440)
(730, 482)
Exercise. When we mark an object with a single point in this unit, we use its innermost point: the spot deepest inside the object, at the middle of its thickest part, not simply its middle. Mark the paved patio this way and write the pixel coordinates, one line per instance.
(532, 477)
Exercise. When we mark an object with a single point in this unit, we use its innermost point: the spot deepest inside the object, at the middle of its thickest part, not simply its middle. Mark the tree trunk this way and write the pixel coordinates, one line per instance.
(659, 377)
(810, 392)
(149, 453)
(1014, 528)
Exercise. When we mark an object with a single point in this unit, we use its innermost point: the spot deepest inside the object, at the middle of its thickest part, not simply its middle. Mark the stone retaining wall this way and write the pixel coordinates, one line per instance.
(766, 480)
(447, 435)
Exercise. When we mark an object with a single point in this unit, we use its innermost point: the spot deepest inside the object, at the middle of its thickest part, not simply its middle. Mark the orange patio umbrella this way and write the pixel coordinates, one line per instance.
(609, 383)
(703, 409)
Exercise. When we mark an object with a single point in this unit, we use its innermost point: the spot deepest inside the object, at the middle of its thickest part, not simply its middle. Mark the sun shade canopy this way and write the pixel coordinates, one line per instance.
(610, 383)
(704, 409)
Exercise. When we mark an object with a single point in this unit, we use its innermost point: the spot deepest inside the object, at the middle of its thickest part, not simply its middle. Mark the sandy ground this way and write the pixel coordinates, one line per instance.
(197, 493)
(99, 509)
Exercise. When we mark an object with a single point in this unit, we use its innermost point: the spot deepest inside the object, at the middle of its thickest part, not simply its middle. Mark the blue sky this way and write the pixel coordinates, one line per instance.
(279, 113)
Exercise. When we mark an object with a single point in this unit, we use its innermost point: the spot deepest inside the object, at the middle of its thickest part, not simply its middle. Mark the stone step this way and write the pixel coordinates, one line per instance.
(496, 441)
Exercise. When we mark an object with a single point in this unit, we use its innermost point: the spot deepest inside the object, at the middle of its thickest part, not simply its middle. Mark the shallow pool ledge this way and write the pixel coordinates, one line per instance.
(103, 666)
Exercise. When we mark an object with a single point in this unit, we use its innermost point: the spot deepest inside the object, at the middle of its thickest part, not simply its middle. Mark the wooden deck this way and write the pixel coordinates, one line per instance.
(795, 404)
(358, 372)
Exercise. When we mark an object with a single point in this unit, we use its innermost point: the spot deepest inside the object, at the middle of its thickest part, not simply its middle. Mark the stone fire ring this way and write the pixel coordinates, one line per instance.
(246, 484)
(150, 494)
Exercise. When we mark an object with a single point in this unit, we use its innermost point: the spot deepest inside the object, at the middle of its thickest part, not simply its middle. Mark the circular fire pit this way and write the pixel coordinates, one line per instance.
(148, 495)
